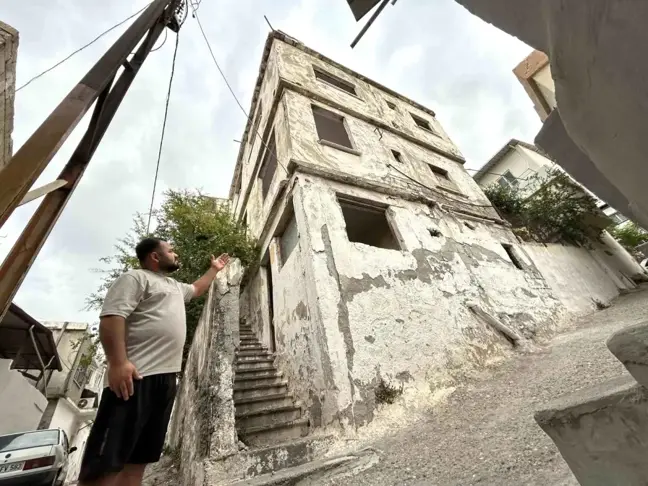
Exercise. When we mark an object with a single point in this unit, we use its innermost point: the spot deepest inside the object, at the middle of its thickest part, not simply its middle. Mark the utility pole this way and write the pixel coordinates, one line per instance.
(17, 177)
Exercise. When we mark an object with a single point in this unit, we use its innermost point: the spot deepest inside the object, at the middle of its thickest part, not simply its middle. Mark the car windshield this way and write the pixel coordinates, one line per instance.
(26, 440)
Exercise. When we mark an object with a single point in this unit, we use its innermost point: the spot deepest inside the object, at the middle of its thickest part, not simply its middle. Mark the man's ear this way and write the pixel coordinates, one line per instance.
(155, 256)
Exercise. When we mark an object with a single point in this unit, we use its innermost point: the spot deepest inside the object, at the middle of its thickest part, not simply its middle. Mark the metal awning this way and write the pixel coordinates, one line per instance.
(27, 342)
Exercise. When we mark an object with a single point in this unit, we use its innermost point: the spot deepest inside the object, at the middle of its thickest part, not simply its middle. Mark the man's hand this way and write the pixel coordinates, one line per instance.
(219, 263)
(120, 379)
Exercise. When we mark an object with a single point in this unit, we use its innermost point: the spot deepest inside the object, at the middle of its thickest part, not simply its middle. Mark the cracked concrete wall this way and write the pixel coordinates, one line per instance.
(348, 315)
(8, 57)
(284, 102)
(203, 425)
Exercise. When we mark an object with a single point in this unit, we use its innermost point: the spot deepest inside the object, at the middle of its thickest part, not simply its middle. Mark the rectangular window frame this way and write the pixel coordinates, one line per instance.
(342, 84)
(391, 105)
(422, 123)
(265, 182)
(331, 114)
(376, 207)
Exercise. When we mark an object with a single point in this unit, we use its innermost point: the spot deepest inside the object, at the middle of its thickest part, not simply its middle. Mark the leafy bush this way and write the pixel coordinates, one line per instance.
(629, 235)
(559, 210)
(197, 226)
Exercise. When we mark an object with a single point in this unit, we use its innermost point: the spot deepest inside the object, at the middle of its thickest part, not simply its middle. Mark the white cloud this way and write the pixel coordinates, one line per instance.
(434, 52)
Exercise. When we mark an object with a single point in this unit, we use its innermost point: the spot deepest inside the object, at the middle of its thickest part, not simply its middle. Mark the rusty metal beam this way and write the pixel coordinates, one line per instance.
(25, 250)
(17, 176)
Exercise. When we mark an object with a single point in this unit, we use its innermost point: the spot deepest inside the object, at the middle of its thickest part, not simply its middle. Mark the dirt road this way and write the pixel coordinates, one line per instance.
(484, 433)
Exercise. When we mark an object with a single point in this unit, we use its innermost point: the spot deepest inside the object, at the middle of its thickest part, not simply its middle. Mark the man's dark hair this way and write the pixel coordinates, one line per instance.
(147, 246)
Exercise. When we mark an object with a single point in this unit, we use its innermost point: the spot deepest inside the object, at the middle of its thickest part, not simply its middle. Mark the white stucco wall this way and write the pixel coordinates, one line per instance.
(573, 275)
(21, 405)
(72, 340)
(345, 316)
(521, 162)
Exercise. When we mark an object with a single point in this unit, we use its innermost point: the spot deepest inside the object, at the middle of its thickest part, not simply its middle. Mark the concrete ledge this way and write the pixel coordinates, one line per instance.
(268, 460)
(602, 432)
(318, 472)
(630, 346)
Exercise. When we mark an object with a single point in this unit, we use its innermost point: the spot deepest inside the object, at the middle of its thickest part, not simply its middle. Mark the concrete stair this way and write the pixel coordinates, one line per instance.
(266, 412)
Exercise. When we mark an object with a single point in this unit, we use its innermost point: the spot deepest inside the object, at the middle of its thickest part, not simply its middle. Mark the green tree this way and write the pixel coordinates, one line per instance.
(558, 209)
(197, 226)
(630, 235)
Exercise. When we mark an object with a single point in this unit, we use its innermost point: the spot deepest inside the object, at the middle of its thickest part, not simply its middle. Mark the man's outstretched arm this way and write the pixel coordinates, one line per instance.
(217, 264)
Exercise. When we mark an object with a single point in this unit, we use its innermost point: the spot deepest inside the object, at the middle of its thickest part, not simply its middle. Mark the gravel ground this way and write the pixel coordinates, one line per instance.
(484, 433)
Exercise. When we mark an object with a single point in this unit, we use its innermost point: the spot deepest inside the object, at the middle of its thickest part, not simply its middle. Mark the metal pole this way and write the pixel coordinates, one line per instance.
(17, 176)
(373, 18)
(25, 250)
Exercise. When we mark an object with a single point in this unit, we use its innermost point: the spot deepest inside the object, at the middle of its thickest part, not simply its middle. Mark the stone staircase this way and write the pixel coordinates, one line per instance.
(266, 412)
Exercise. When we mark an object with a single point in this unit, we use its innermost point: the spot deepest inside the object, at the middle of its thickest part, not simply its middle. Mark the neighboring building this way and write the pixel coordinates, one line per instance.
(377, 246)
(523, 165)
(28, 354)
(534, 73)
(8, 56)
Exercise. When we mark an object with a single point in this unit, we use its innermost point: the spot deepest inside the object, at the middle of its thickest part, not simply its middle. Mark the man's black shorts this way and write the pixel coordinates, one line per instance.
(129, 431)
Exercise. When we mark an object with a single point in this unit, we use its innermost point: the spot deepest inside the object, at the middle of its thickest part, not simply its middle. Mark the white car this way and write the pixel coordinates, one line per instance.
(35, 458)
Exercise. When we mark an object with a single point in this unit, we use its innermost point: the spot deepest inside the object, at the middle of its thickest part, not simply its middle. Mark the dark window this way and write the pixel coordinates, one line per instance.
(245, 221)
(510, 251)
(368, 224)
(330, 127)
(434, 233)
(255, 126)
(422, 122)
(469, 226)
(288, 239)
(335, 81)
(397, 155)
(439, 172)
(391, 105)
(269, 165)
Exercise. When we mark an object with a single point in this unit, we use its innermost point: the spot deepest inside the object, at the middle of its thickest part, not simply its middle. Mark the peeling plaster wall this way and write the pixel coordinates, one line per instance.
(8, 57)
(203, 426)
(296, 66)
(301, 346)
(255, 299)
(376, 162)
(400, 316)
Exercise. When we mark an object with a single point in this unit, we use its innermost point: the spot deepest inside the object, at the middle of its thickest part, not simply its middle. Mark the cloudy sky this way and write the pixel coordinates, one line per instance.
(432, 51)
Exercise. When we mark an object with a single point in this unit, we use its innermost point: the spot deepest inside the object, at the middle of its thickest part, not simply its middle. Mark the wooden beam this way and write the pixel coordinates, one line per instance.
(43, 190)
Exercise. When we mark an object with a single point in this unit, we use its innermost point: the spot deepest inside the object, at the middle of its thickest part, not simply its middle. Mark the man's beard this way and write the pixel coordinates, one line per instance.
(170, 267)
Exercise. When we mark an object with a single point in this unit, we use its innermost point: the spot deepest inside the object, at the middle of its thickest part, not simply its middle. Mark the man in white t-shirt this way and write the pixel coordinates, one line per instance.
(142, 331)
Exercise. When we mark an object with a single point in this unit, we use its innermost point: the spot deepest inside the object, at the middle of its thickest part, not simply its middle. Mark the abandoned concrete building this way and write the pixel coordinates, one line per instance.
(382, 264)
(376, 244)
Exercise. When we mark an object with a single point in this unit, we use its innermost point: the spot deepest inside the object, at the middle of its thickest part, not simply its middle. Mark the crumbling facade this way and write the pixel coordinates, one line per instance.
(8, 55)
(376, 243)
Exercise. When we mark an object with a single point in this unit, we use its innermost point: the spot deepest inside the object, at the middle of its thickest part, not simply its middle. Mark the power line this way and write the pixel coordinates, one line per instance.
(164, 122)
(81, 49)
(195, 4)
